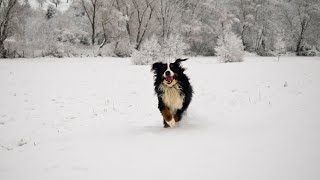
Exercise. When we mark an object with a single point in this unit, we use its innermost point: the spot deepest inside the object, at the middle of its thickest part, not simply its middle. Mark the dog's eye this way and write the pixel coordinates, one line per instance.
(171, 65)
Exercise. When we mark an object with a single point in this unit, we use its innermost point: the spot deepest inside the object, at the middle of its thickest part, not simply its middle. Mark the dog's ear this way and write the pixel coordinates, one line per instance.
(178, 61)
(155, 67)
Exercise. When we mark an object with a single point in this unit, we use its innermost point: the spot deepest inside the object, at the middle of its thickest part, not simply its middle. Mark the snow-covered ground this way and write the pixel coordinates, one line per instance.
(98, 119)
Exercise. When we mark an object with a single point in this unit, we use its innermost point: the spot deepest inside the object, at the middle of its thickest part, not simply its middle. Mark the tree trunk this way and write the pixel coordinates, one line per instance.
(93, 34)
(242, 37)
(3, 51)
(4, 25)
(298, 48)
(91, 19)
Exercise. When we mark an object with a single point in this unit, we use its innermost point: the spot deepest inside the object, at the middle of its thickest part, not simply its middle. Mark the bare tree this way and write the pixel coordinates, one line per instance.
(144, 12)
(111, 22)
(168, 16)
(139, 15)
(123, 6)
(304, 21)
(91, 8)
(299, 16)
(246, 18)
(192, 14)
(6, 14)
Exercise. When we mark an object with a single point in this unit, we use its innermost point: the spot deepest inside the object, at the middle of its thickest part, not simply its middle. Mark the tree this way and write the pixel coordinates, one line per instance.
(280, 45)
(245, 13)
(113, 23)
(19, 30)
(143, 13)
(168, 16)
(126, 9)
(229, 47)
(55, 2)
(151, 50)
(41, 2)
(7, 12)
(299, 16)
(305, 10)
(76, 20)
(254, 24)
(91, 8)
(148, 53)
(139, 18)
(51, 11)
(173, 47)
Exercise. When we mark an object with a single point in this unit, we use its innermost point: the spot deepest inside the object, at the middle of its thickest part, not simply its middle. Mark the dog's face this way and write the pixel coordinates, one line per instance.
(168, 72)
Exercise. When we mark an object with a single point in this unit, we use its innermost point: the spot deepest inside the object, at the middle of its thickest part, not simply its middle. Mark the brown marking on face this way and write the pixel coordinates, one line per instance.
(166, 114)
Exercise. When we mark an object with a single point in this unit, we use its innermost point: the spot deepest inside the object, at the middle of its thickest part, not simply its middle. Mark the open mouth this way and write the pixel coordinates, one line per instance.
(169, 79)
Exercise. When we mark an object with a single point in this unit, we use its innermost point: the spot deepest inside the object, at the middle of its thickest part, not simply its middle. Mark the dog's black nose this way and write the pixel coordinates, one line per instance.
(167, 73)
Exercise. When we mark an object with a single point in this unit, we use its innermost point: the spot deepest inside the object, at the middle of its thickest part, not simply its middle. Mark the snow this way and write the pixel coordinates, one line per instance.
(97, 118)
(63, 6)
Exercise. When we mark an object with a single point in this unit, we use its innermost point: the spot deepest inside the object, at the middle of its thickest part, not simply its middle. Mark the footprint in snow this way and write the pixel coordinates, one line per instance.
(22, 142)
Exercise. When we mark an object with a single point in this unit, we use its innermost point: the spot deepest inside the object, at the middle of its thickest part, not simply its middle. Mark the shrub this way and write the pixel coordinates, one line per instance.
(306, 50)
(173, 47)
(149, 52)
(123, 48)
(229, 48)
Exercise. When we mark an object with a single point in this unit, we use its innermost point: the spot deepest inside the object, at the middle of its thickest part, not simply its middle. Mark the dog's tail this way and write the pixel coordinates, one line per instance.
(181, 60)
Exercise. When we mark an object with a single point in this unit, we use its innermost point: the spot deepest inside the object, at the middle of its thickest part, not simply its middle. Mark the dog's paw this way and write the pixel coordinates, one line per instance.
(171, 123)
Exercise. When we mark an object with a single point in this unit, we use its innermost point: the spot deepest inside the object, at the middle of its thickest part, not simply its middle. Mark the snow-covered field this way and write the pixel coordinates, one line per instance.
(98, 119)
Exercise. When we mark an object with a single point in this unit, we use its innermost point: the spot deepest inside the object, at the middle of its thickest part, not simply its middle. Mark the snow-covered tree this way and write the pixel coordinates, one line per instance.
(152, 51)
(113, 26)
(229, 47)
(148, 53)
(143, 14)
(245, 11)
(51, 11)
(140, 18)
(179, 25)
(168, 15)
(279, 45)
(55, 2)
(7, 12)
(75, 22)
(123, 48)
(173, 47)
(92, 9)
(204, 21)
(41, 2)
(299, 18)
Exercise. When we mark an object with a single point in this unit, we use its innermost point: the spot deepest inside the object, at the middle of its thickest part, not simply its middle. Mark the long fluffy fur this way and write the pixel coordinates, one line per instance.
(175, 98)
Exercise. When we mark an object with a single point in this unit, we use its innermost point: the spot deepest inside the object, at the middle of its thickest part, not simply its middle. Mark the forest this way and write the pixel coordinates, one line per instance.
(120, 28)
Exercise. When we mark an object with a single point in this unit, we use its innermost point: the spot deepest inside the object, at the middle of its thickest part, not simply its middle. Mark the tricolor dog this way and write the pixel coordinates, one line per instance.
(173, 89)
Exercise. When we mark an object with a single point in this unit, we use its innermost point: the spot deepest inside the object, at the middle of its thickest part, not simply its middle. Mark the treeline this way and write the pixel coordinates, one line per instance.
(120, 27)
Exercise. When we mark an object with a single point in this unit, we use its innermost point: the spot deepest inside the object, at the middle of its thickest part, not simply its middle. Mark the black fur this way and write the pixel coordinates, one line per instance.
(181, 78)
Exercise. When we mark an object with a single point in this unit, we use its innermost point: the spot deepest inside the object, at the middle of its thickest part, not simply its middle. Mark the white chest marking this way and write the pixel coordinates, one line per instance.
(168, 69)
(172, 97)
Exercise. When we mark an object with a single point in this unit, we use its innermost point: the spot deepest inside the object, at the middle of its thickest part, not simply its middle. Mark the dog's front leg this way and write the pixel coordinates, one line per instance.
(168, 118)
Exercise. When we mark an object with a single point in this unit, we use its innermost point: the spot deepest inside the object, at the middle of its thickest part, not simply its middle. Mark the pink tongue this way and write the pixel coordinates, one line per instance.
(169, 78)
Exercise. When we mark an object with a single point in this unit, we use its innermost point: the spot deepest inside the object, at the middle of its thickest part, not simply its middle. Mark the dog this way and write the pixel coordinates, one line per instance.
(173, 89)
